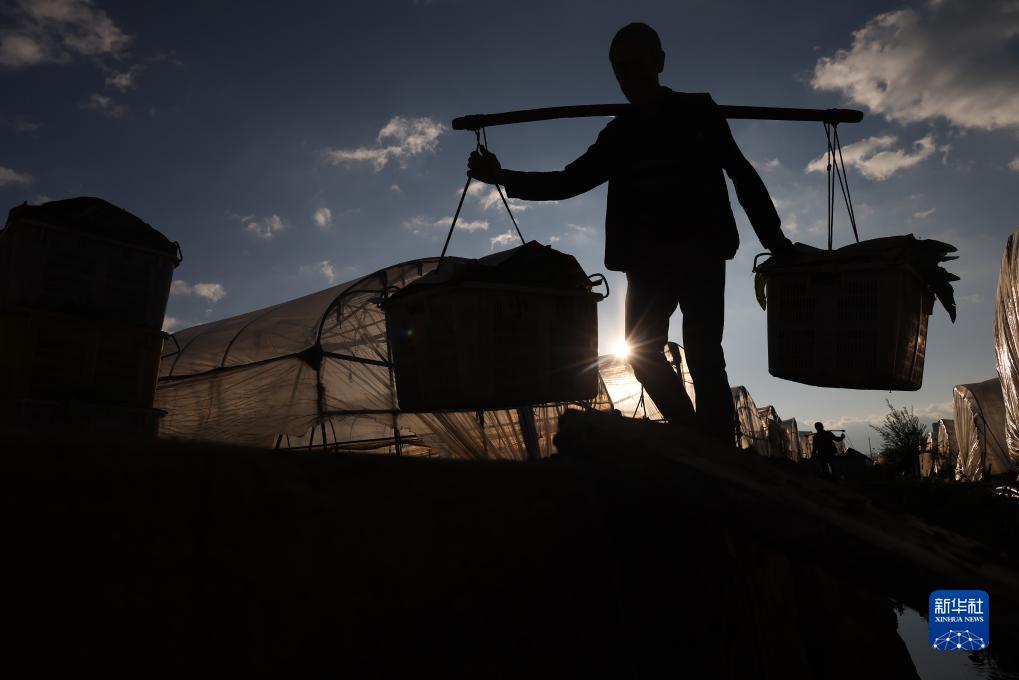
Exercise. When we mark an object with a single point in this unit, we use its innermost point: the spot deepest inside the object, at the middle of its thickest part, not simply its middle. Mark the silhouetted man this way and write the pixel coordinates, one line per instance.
(668, 222)
(823, 448)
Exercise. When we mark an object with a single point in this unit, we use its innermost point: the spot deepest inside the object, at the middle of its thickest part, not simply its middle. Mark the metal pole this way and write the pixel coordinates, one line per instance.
(481, 120)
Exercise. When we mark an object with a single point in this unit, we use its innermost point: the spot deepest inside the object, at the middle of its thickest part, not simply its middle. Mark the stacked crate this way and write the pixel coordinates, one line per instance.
(83, 292)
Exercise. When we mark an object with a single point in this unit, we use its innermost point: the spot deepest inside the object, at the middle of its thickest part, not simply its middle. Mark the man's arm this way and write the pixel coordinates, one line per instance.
(750, 189)
(583, 174)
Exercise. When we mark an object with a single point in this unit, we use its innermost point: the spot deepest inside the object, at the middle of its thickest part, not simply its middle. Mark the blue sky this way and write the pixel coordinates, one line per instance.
(288, 146)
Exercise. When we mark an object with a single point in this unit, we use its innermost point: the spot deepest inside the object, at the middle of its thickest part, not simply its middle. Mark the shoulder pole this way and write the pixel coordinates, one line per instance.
(483, 120)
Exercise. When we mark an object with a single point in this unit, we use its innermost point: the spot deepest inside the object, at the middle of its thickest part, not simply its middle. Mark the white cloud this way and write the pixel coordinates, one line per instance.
(554, 239)
(924, 214)
(400, 139)
(124, 80)
(395, 188)
(951, 59)
(421, 225)
(323, 269)
(488, 197)
(265, 227)
(8, 176)
(20, 124)
(503, 239)
(971, 298)
(180, 287)
(20, 50)
(1013, 164)
(935, 411)
(44, 31)
(213, 292)
(767, 166)
(875, 159)
(466, 225)
(581, 230)
(323, 217)
(416, 224)
(171, 324)
(105, 105)
(927, 414)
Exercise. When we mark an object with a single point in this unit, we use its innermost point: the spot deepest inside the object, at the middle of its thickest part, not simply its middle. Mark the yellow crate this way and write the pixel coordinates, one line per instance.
(56, 357)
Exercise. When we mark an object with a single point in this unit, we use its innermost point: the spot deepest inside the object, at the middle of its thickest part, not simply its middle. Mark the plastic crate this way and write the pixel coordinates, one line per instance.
(487, 346)
(851, 326)
(46, 421)
(78, 273)
(55, 357)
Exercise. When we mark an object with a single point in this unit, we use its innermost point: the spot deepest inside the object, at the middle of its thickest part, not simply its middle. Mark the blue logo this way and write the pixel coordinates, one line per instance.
(959, 620)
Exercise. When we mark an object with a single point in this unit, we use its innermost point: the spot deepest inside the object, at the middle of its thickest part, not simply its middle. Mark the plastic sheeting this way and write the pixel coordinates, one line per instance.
(624, 391)
(314, 372)
(806, 438)
(980, 431)
(1006, 342)
(929, 453)
(772, 424)
(791, 440)
(752, 433)
(940, 450)
(946, 445)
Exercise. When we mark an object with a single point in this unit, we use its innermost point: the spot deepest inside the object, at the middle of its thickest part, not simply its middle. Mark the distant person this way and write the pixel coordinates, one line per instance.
(668, 222)
(823, 448)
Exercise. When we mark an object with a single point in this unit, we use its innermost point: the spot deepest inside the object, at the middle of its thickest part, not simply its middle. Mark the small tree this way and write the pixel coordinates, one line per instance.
(902, 438)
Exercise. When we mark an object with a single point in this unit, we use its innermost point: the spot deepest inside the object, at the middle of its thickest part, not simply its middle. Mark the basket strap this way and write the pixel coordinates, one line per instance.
(834, 153)
(504, 201)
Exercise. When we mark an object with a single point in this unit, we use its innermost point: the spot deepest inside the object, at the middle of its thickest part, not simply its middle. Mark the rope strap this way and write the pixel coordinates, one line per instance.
(479, 147)
(831, 133)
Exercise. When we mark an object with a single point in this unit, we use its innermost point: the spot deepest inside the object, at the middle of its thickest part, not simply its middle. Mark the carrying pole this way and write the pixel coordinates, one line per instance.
(482, 120)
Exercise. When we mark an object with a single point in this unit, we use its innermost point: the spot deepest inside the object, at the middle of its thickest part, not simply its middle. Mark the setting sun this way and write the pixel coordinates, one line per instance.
(621, 349)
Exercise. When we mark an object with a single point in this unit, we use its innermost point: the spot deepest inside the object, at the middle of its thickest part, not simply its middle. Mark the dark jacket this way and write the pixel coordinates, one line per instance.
(667, 195)
(823, 445)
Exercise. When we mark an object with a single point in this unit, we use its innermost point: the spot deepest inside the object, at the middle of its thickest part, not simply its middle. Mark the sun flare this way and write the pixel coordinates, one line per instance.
(621, 349)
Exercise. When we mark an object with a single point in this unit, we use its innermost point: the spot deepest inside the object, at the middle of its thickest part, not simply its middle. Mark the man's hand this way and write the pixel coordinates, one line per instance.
(484, 166)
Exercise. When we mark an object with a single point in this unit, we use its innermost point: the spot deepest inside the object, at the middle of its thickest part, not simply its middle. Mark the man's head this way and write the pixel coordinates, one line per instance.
(819, 427)
(637, 60)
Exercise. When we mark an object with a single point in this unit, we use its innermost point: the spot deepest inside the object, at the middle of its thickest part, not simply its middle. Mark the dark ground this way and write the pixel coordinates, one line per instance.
(195, 560)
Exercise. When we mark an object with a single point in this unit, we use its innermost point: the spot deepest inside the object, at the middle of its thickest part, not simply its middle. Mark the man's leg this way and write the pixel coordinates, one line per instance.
(702, 300)
(650, 301)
